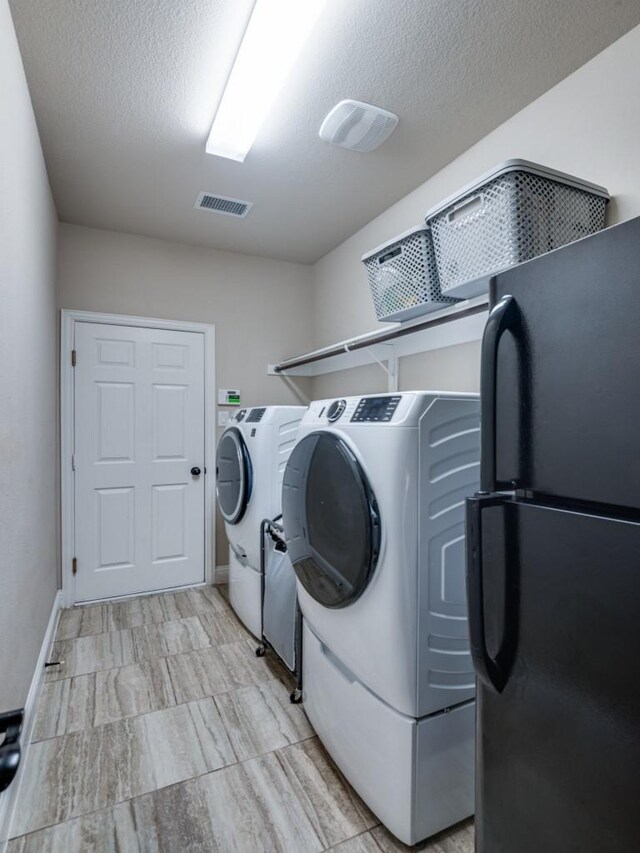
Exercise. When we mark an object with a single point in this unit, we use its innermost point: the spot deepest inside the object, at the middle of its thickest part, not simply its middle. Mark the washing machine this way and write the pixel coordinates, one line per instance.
(373, 513)
(250, 461)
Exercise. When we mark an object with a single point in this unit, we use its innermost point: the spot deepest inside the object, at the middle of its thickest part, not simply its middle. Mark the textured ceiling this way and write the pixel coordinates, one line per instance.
(125, 90)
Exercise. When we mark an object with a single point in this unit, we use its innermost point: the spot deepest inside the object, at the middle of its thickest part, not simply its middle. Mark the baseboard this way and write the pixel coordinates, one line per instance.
(9, 798)
(221, 576)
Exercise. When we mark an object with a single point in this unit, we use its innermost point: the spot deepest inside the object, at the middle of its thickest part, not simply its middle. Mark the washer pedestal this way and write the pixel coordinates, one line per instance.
(245, 594)
(417, 776)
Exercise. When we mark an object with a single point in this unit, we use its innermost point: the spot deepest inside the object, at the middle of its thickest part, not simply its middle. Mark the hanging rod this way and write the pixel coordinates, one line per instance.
(466, 309)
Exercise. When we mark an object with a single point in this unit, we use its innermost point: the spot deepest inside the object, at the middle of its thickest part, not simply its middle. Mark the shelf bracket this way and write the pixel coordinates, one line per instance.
(299, 393)
(390, 365)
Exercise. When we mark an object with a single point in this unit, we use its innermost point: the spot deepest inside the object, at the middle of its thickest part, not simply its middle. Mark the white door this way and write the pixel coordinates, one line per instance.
(139, 442)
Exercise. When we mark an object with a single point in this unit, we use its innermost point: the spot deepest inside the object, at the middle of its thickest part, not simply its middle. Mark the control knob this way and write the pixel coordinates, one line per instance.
(336, 410)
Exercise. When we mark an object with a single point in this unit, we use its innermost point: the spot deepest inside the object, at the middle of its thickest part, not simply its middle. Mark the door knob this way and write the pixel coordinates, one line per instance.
(196, 471)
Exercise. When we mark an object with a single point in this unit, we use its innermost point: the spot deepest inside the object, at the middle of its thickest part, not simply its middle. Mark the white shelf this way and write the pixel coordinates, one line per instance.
(457, 324)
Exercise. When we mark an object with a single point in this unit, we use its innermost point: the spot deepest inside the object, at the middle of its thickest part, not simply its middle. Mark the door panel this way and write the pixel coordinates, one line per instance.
(170, 411)
(115, 421)
(139, 428)
(559, 746)
(115, 523)
(568, 387)
(169, 522)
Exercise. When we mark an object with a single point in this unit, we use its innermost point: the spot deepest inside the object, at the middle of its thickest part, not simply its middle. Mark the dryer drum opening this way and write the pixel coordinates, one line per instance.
(331, 520)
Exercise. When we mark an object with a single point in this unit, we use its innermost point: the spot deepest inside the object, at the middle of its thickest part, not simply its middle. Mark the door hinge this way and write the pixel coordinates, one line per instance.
(73, 358)
(73, 461)
(74, 565)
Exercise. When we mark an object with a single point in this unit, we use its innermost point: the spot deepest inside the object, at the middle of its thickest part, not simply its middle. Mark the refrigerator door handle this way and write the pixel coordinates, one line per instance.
(502, 318)
(493, 672)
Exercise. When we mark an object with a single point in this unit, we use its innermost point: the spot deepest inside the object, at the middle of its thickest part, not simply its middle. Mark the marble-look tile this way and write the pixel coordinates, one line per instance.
(169, 638)
(195, 675)
(83, 772)
(458, 839)
(65, 706)
(147, 610)
(224, 627)
(206, 600)
(243, 668)
(81, 622)
(79, 703)
(261, 718)
(75, 774)
(101, 780)
(90, 654)
(253, 809)
(169, 606)
(111, 830)
(364, 843)
(248, 808)
(181, 743)
(132, 690)
(334, 809)
(172, 820)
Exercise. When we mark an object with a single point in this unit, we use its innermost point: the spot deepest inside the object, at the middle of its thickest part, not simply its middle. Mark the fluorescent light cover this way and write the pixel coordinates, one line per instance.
(274, 37)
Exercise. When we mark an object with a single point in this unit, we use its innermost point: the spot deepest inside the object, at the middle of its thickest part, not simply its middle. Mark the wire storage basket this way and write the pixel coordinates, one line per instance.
(404, 278)
(513, 213)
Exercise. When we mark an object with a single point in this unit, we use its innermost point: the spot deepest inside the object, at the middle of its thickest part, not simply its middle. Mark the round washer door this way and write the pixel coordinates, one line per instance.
(233, 475)
(330, 518)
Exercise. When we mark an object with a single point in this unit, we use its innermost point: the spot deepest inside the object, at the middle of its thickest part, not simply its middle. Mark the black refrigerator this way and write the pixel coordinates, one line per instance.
(553, 554)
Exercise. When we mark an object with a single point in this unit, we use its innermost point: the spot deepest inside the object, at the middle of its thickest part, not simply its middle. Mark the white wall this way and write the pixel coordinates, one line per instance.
(28, 377)
(587, 125)
(261, 308)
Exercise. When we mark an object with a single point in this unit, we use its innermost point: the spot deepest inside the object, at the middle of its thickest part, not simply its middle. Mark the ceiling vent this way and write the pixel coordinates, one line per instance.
(358, 126)
(222, 204)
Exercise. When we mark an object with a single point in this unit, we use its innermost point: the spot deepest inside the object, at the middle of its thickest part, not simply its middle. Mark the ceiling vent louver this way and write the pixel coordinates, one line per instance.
(221, 204)
(358, 126)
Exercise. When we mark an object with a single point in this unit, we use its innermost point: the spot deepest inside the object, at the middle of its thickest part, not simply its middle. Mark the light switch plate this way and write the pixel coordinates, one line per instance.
(223, 418)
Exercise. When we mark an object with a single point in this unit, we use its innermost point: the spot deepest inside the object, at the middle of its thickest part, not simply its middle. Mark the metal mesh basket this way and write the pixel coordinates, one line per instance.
(521, 213)
(404, 278)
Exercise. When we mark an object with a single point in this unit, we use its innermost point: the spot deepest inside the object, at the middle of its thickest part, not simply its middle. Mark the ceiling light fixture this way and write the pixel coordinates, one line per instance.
(275, 35)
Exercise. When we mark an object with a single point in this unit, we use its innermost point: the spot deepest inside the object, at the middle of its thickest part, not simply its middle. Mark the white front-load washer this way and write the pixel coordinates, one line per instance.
(250, 461)
(373, 512)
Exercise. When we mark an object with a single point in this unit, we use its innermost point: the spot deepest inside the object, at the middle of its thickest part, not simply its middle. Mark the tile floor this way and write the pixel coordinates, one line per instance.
(162, 732)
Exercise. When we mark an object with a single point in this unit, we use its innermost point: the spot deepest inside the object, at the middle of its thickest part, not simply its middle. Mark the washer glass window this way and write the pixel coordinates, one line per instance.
(331, 520)
(233, 475)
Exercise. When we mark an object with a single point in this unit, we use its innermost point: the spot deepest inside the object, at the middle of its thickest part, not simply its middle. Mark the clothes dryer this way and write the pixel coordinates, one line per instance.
(373, 513)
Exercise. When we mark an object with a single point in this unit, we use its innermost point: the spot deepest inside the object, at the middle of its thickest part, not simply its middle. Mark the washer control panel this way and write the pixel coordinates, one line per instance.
(375, 409)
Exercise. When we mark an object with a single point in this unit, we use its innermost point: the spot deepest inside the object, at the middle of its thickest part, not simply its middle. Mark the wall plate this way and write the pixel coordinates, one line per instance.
(228, 397)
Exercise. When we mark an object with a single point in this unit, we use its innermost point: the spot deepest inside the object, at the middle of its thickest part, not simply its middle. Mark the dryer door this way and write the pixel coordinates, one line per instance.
(233, 475)
(330, 518)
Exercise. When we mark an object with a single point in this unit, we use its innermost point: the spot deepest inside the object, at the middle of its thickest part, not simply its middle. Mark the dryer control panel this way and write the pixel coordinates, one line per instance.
(375, 409)
(256, 415)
